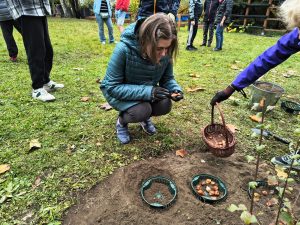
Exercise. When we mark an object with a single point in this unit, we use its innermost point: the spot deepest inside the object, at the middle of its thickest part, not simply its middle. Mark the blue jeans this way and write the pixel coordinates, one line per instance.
(219, 36)
(120, 16)
(109, 25)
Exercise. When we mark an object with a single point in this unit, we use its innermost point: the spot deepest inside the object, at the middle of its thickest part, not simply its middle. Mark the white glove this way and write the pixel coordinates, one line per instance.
(172, 17)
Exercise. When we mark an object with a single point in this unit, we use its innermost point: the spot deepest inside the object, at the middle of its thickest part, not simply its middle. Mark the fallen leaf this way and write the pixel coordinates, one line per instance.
(70, 149)
(256, 197)
(255, 118)
(195, 89)
(181, 153)
(194, 75)
(106, 106)
(207, 65)
(280, 172)
(272, 181)
(34, 144)
(85, 99)
(98, 81)
(37, 182)
(231, 127)
(272, 202)
(262, 102)
(4, 168)
(234, 67)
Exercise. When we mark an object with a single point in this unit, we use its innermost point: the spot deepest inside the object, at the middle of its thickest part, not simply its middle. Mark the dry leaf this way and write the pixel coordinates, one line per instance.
(256, 197)
(78, 68)
(37, 182)
(195, 89)
(70, 149)
(234, 67)
(4, 168)
(98, 144)
(98, 81)
(231, 127)
(181, 153)
(194, 75)
(272, 181)
(255, 118)
(262, 102)
(272, 202)
(280, 172)
(207, 65)
(34, 144)
(85, 99)
(106, 106)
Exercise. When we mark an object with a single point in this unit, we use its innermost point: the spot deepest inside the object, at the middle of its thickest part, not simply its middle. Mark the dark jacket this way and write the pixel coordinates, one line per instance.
(146, 7)
(130, 78)
(4, 13)
(286, 46)
(210, 9)
(195, 9)
(224, 9)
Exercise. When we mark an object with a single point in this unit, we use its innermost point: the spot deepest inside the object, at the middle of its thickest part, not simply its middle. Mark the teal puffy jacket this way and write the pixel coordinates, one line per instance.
(130, 78)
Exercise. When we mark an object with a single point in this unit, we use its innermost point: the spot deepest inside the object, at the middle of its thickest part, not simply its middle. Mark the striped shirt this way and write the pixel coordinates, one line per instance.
(20, 8)
(104, 7)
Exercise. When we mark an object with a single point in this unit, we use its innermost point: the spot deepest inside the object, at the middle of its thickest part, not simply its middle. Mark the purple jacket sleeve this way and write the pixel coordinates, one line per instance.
(286, 46)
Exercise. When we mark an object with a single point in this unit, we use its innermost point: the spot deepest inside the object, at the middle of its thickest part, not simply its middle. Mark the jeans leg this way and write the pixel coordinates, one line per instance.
(101, 27)
(221, 37)
(218, 36)
(7, 31)
(110, 30)
(33, 32)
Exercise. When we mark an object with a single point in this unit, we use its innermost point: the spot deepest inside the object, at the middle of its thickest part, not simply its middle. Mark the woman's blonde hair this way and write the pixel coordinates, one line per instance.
(155, 27)
(289, 11)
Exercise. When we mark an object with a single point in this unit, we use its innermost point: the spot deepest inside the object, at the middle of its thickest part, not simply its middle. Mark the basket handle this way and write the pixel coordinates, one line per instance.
(223, 121)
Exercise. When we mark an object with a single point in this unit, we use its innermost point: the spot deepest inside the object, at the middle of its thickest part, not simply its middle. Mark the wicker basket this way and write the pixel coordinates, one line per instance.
(218, 137)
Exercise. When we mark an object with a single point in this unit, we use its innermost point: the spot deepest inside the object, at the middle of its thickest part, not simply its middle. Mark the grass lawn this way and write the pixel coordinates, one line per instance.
(79, 147)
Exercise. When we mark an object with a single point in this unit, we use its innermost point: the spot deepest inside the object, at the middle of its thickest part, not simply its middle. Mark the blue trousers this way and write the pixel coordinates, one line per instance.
(219, 36)
(109, 25)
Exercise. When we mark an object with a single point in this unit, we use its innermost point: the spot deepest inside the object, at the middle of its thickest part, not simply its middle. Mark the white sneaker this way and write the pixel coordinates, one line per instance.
(53, 86)
(43, 95)
(103, 42)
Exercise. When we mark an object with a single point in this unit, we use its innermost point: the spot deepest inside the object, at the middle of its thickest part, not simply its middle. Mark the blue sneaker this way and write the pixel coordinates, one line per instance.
(122, 133)
(148, 127)
(286, 160)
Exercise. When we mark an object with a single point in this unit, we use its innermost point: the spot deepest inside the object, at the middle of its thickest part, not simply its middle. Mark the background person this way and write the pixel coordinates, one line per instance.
(7, 26)
(139, 79)
(150, 7)
(195, 11)
(31, 15)
(210, 9)
(121, 11)
(286, 46)
(102, 10)
(222, 19)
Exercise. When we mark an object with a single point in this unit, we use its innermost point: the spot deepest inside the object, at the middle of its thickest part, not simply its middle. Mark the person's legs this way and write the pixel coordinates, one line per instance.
(219, 33)
(110, 29)
(205, 30)
(101, 28)
(33, 32)
(120, 19)
(162, 107)
(222, 37)
(49, 52)
(7, 31)
(211, 33)
(134, 114)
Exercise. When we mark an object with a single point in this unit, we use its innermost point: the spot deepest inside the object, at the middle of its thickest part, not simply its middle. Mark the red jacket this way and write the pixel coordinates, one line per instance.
(122, 5)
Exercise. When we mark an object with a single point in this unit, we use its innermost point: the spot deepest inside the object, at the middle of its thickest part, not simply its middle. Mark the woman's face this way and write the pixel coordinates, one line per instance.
(162, 48)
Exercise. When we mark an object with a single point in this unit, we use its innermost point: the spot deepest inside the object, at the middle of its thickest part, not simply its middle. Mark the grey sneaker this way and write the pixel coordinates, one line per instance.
(53, 86)
(122, 133)
(148, 127)
(286, 160)
(43, 95)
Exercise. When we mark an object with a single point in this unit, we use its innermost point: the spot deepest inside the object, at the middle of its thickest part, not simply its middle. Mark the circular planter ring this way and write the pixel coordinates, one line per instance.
(290, 107)
(162, 180)
(208, 199)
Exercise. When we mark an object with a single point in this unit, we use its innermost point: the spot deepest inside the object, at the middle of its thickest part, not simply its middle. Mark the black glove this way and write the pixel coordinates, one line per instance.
(176, 95)
(159, 93)
(222, 95)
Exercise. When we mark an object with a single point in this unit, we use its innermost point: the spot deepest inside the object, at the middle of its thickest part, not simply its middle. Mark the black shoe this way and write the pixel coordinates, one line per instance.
(217, 49)
(203, 44)
(193, 47)
(208, 45)
(190, 48)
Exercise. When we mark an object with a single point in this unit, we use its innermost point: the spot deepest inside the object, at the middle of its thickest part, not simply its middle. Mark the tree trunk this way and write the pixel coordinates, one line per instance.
(76, 8)
(66, 9)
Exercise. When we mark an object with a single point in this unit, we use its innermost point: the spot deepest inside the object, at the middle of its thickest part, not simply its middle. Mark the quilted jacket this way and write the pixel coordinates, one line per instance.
(130, 78)
(149, 7)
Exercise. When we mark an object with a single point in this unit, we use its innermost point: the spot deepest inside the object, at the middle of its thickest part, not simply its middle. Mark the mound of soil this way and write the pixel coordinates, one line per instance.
(116, 200)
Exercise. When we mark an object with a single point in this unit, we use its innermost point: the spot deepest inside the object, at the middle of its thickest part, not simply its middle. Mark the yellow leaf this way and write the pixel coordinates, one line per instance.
(234, 67)
(4, 168)
(34, 144)
(85, 99)
(195, 89)
(255, 118)
(106, 106)
(280, 172)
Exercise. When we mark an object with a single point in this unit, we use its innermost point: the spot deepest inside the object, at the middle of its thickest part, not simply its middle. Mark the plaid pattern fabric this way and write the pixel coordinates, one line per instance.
(19, 8)
(4, 13)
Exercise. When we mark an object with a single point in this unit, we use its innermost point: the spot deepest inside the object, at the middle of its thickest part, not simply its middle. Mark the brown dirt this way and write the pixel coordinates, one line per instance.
(116, 200)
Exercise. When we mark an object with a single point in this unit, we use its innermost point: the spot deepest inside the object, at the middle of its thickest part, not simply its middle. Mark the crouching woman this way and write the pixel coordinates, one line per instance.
(139, 81)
